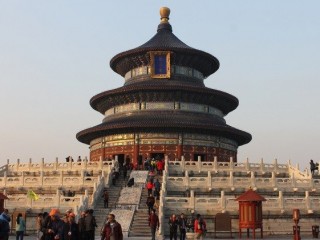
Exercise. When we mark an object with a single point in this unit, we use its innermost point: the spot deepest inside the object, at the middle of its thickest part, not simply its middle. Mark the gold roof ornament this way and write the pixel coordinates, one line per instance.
(164, 13)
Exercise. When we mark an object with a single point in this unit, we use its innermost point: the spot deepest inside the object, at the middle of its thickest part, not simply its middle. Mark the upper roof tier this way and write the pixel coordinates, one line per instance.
(165, 40)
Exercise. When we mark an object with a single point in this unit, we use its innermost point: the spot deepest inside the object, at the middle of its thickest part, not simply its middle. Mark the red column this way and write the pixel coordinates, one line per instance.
(135, 150)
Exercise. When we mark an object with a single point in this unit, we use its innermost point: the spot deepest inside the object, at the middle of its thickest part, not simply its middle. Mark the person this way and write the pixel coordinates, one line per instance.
(149, 187)
(71, 230)
(153, 223)
(20, 227)
(312, 167)
(90, 224)
(157, 187)
(38, 225)
(150, 203)
(82, 226)
(5, 222)
(106, 199)
(53, 226)
(200, 227)
(112, 229)
(4, 229)
(182, 226)
(130, 182)
(160, 166)
(79, 159)
(125, 170)
(173, 227)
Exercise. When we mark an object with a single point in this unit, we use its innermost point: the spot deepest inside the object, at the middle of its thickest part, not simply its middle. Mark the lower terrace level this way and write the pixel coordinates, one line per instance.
(191, 146)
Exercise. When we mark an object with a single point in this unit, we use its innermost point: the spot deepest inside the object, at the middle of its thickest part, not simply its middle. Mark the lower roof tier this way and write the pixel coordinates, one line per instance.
(157, 91)
(163, 121)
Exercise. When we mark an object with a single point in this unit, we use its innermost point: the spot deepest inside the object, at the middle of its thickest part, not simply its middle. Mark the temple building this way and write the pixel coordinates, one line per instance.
(164, 107)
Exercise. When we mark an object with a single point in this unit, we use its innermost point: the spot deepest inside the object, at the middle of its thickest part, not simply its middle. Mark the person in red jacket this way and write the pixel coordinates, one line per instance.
(153, 223)
(112, 229)
(149, 187)
(160, 166)
(200, 227)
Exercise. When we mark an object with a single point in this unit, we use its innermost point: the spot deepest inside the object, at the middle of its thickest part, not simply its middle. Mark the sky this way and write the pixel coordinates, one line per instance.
(54, 56)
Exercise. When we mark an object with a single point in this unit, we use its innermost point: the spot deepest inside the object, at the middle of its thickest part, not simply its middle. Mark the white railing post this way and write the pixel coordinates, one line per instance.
(183, 164)
(17, 165)
(273, 179)
(231, 180)
(199, 164)
(275, 165)
(209, 180)
(100, 163)
(30, 164)
(42, 164)
(247, 165)
(223, 201)
(253, 180)
(186, 179)
(308, 204)
(56, 164)
(215, 163)
(261, 165)
(192, 200)
(231, 164)
(281, 203)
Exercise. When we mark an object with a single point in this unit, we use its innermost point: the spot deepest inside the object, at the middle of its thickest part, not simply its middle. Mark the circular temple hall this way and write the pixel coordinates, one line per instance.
(164, 107)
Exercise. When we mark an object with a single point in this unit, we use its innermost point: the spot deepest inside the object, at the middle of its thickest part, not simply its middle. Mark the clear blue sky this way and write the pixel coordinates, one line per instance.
(54, 56)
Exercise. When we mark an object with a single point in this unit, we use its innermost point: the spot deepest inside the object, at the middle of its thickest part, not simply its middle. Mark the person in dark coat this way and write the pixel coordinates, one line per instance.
(90, 224)
(173, 227)
(112, 229)
(183, 226)
(82, 226)
(153, 223)
(71, 230)
(53, 226)
(150, 202)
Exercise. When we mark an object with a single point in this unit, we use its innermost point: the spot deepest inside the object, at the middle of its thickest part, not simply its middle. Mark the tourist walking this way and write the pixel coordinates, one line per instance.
(106, 199)
(153, 223)
(157, 187)
(150, 203)
(149, 187)
(173, 227)
(200, 227)
(71, 230)
(182, 226)
(20, 227)
(112, 229)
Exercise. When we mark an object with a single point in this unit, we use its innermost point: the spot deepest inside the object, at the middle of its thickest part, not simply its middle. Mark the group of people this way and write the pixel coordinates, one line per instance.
(198, 225)
(5, 220)
(51, 226)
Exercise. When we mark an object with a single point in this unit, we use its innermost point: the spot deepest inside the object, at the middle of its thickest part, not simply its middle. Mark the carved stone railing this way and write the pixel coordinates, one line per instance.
(45, 201)
(57, 166)
(231, 182)
(261, 167)
(98, 188)
(212, 205)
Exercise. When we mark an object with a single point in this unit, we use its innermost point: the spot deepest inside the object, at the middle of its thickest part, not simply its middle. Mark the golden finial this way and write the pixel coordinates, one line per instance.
(164, 13)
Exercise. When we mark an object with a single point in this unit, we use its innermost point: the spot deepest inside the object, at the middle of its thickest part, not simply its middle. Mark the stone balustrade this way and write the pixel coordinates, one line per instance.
(56, 166)
(231, 182)
(45, 201)
(275, 167)
(212, 205)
